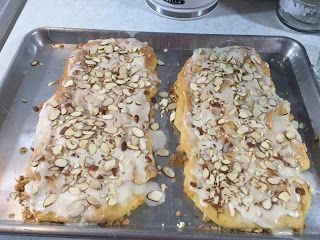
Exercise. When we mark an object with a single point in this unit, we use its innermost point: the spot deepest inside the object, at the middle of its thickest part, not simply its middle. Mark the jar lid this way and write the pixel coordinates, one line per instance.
(182, 9)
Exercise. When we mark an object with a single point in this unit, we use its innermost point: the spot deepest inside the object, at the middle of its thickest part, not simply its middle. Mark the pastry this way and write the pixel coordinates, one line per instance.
(244, 155)
(93, 154)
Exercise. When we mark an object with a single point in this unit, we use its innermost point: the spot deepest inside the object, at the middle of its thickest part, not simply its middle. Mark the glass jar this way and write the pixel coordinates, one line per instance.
(302, 15)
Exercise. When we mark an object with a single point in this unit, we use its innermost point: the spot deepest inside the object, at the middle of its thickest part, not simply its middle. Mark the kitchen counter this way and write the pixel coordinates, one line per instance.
(246, 17)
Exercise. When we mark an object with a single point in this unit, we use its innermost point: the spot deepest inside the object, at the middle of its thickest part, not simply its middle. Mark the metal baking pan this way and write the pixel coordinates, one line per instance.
(24, 86)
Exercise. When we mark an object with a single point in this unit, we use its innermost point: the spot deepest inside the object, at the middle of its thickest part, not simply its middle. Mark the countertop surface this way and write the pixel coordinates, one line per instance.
(246, 17)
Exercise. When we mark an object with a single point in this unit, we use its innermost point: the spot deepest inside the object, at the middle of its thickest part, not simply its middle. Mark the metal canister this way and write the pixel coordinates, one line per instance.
(182, 9)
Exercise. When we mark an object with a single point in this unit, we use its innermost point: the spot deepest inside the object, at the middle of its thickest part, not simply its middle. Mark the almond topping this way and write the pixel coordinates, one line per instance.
(112, 201)
(71, 145)
(155, 196)
(274, 180)
(76, 209)
(168, 172)
(205, 173)
(56, 150)
(109, 165)
(50, 200)
(154, 126)
(232, 176)
(54, 114)
(92, 148)
(162, 152)
(267, 204)
(290, 135)
(137, 132)
(242, 129)
(284, 196)
(61, 162)
(93, 201)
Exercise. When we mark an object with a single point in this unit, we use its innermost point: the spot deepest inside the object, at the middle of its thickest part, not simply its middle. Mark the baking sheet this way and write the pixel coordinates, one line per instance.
(25, 86)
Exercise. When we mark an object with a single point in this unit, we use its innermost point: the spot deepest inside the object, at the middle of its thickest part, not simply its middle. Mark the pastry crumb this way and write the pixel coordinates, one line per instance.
(181, 225)
(178, 213)
(23, 150)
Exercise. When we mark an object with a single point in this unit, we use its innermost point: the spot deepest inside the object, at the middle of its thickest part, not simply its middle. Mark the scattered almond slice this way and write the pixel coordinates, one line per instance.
(155, 196)
(160, 62)
(51, 199)
(162, 152)
(168, 172)
(34, 63)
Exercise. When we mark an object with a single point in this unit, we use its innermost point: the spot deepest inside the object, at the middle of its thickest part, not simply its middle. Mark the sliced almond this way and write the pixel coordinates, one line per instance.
(284, 196)
(71, 145)
(224, 168)
(244, 113)
(280, 137)
(61, 162)
(50, 200)
(162, 152)
(155, 126)
(112, 201)
(172, 116)
(242, 129)
(113, 108)
(93, 201)
(168, 172)
(160, 62)
(34, 63)
(69, 132)
(265, 145)
(137, 132)
(248, 68)
(92, 148)
(68, 83)
(90, 62)
(255, 59)
(155, 196)
(56, 150)
(76, 209)
(290, 135)
(54, 114)
(77, 134)
(105, 148)
(109, 164)
(83, 143)
(76, 114)
(107, 102)
(111, 130)
(83, 186)
(205, 173)
(95, 184)
(274, 180)
(232, 175)
(163, 94)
